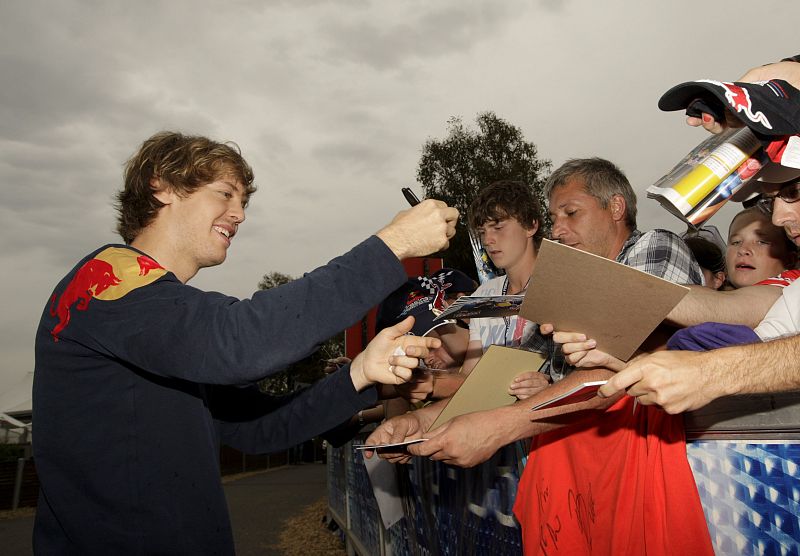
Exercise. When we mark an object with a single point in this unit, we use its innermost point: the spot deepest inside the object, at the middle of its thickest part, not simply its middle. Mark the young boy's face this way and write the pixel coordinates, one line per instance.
(506, 240)
(756, 250)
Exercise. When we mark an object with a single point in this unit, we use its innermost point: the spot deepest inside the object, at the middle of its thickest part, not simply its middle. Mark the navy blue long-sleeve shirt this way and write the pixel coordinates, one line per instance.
(138, 376)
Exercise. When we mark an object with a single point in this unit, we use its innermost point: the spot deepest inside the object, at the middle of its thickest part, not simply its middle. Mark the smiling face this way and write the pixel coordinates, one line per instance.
(757, 249)
(202, 224)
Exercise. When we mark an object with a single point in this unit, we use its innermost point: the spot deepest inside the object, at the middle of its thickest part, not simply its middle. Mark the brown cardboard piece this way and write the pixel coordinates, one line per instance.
(616, 305)
(486, 387)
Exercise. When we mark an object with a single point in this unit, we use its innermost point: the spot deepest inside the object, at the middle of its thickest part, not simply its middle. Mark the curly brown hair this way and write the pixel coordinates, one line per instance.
(507, 199)
(184, 163)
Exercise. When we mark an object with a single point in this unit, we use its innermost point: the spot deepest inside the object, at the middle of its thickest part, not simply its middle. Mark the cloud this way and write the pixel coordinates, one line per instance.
(553, 5)
(329, 101)
(385, 39)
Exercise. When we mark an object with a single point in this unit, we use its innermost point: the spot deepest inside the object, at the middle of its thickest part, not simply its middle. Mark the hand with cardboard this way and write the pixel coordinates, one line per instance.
(581, 351)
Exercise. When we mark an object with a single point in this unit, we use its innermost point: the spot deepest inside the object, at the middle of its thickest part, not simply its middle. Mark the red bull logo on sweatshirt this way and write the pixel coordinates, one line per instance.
(110, 275)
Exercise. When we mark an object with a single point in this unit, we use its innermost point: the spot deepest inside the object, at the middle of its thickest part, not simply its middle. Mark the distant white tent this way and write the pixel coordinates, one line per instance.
(14, 401)
(17, 397)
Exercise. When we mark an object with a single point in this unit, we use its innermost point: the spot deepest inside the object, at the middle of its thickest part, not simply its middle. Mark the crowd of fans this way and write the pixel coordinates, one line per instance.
(152, 373)
(588, 446)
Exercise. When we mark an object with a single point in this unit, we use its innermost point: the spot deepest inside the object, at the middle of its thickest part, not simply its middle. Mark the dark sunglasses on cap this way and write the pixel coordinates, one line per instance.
(789, 193)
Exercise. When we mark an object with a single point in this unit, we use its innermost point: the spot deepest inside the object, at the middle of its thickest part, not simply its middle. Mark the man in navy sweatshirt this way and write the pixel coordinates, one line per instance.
(139, 376)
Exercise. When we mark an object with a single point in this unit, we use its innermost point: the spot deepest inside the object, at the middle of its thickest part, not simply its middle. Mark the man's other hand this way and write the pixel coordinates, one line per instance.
(677, 381)
(391, 356)
(397, 429)
(334, 364)
(525, 385)
(420, 230)
(466, 440)
(580, 351)
(419, 388)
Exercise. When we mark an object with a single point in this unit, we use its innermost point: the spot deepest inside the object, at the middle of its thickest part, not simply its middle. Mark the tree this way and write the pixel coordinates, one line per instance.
(273, 280)
(456, 168)
(307, 370)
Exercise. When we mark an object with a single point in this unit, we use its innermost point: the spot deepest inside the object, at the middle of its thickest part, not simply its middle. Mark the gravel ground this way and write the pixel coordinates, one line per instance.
(306, 533)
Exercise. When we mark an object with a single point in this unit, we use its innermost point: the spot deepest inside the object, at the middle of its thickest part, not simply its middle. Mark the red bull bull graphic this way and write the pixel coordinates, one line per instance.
(739, 101)
(93, 278)
(146, 264)
(110, 275)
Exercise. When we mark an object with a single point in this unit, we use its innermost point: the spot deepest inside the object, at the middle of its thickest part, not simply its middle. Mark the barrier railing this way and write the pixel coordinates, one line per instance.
(745, 455)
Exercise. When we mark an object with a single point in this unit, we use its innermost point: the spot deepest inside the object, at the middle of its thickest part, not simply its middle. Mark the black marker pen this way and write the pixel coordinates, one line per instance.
(410, 197)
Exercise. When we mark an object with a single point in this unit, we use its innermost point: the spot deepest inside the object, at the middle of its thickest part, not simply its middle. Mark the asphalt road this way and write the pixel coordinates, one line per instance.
(258, 505)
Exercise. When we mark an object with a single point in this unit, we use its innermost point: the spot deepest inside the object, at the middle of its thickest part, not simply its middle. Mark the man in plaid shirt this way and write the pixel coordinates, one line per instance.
(576, 190)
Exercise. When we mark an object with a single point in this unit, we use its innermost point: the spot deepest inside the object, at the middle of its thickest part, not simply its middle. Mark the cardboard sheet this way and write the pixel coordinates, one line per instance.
(486, 387)
(616, 305)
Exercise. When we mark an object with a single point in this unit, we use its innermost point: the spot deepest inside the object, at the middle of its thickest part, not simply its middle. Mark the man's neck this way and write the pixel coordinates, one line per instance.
(150, 242)
(618, 242)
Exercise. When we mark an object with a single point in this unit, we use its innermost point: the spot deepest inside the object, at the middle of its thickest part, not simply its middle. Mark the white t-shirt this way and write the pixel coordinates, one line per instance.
(502, 331)
(783, 318)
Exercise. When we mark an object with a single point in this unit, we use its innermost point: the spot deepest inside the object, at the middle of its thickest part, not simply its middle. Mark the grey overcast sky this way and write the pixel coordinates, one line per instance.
(331, 103)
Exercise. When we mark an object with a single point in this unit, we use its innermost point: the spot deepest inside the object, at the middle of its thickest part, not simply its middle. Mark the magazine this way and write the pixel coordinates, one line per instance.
(389, 446)
(580, 393)
(483, 264)
(703, 181)
(482, 306)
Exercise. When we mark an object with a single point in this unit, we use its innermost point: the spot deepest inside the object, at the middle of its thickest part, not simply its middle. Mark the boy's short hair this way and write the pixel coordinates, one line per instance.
(708, 254)
(507, 199)
(183, 163)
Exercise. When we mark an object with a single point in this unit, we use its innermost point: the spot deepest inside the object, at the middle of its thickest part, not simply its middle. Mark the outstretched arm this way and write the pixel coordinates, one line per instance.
(745, 306)
(253, 422)
(684, 381)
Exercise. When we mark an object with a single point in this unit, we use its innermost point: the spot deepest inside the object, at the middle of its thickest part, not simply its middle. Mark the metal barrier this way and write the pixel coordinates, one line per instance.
(745, 455)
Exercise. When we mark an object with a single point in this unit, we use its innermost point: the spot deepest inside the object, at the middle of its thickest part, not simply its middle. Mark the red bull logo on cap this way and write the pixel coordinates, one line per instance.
(112, 274)
(739, 100)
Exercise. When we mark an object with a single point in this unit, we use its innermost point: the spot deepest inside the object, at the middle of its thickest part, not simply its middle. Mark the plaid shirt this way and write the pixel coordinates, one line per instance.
(657, 252)
(663, 254)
